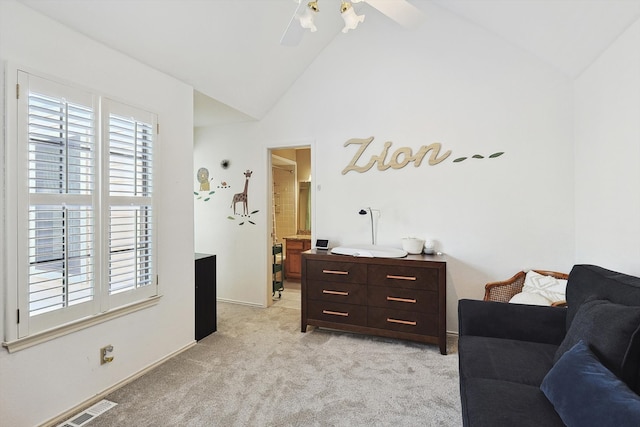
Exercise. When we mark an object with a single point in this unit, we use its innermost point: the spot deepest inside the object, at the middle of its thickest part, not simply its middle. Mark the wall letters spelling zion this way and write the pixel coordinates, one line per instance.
(401, 157)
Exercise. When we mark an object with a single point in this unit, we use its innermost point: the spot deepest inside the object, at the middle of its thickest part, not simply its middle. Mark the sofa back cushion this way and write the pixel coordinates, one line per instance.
(608, 329)
(588, 281)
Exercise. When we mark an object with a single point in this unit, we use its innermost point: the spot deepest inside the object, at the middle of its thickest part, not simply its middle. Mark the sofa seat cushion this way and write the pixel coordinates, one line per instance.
(495, 403)
(504, 359)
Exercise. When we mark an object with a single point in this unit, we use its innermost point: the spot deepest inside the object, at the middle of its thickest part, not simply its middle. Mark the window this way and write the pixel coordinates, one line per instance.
(85, 192)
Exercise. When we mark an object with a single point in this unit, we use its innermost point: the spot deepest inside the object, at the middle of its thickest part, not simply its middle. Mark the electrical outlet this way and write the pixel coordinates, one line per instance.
(105, 354)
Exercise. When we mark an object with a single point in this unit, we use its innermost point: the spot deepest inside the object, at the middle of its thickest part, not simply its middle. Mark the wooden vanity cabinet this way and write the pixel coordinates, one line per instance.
(293, 259)
(392, 297)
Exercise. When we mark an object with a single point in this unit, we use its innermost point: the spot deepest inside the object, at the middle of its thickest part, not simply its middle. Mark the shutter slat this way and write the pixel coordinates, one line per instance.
(61, 136)
(61, 256)
(130, 147)
(130, 243)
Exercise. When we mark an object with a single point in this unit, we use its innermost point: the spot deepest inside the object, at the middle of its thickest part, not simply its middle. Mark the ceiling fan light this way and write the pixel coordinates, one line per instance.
(306, 19)
(351, 20)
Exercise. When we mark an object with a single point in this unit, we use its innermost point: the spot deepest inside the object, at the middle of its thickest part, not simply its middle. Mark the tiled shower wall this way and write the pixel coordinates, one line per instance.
(284, 201)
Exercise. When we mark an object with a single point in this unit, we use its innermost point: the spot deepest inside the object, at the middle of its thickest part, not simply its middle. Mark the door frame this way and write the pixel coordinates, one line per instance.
(309, 144)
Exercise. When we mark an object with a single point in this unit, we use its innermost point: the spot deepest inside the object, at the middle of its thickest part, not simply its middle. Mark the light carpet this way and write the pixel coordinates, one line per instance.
(258, 369)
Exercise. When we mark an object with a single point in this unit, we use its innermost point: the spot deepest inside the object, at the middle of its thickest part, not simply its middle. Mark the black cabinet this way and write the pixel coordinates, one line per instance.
(205, 295)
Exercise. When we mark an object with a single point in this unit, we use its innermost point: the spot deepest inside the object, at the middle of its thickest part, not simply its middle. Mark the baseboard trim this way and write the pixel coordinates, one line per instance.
(231, 301)
(103, 394)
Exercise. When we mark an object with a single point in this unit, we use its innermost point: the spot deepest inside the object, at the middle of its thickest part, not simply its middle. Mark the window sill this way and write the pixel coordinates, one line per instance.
(41, 337)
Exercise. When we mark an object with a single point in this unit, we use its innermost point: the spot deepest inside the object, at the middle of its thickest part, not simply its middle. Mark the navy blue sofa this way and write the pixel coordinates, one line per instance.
(508, 351)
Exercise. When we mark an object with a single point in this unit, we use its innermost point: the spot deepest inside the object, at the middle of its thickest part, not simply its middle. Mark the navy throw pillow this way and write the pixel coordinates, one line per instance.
(585, 393)
(611, 331)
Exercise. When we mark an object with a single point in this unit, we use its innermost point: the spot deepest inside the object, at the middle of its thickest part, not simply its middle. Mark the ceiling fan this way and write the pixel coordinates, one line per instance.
(401, 11)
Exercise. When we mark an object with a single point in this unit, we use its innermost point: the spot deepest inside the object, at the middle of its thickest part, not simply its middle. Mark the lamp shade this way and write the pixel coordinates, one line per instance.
(351, 20)
(306, 19)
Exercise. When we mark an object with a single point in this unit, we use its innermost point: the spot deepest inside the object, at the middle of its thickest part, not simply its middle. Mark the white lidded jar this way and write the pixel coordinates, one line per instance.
(412, 245)
(429, 247)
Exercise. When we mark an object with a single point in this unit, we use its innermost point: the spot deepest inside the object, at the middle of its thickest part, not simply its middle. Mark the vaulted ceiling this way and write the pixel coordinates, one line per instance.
(229, 50)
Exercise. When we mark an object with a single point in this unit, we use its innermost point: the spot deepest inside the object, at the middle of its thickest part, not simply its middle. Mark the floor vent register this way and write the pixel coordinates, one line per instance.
(88, 414)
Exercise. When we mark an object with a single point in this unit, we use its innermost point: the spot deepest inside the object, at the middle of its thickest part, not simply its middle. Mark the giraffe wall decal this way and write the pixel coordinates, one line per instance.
(242, 197)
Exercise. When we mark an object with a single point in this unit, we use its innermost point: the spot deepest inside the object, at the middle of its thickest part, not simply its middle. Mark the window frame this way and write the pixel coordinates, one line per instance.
(24, 330)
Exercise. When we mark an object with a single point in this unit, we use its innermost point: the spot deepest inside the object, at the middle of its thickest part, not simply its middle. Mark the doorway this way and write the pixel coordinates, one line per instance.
(291, 224)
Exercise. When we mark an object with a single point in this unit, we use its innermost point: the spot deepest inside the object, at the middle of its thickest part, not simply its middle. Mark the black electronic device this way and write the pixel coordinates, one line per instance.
(322, 244)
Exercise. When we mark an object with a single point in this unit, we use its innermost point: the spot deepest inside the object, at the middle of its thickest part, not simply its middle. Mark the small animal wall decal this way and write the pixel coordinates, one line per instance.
(205, 188)
(203, 179)
(244, 199)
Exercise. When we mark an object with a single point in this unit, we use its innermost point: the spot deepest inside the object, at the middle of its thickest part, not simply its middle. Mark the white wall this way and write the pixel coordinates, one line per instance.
(240, 243)
(453, 83)
(607, 121)
(42, 382)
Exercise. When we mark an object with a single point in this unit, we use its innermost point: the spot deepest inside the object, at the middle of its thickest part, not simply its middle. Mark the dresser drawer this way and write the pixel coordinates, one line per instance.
(402, 299)
(403, 277)
(403, 321)
(338, 313)
(295, 245)
(348, 293)
(336, 271)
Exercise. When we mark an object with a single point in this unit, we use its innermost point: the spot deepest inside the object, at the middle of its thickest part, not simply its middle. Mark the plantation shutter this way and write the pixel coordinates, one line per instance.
(131, 237)
(83, 186)
(61, 137)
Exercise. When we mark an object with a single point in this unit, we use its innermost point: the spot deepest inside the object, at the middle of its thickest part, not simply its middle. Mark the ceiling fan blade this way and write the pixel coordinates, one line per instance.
(401, 11)
(292, 36)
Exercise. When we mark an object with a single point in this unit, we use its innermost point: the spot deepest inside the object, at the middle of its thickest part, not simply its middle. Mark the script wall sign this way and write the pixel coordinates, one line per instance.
(400, 157)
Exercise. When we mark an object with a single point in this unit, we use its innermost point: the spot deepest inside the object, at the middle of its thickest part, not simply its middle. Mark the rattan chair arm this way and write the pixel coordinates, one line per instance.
(504, 290)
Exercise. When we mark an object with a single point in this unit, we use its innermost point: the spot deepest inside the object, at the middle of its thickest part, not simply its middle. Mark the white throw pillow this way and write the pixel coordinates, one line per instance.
(549, 287)
(529, 298)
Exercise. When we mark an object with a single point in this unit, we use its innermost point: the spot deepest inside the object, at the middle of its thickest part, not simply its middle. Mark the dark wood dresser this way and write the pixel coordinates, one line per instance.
(391, 297)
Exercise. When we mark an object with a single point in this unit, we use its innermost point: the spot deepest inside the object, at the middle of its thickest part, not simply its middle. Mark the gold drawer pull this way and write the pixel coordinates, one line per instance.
(344, 273)
(391, 276)
(344, 294)
(335, 313)
(411, 300)
(402, 322)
